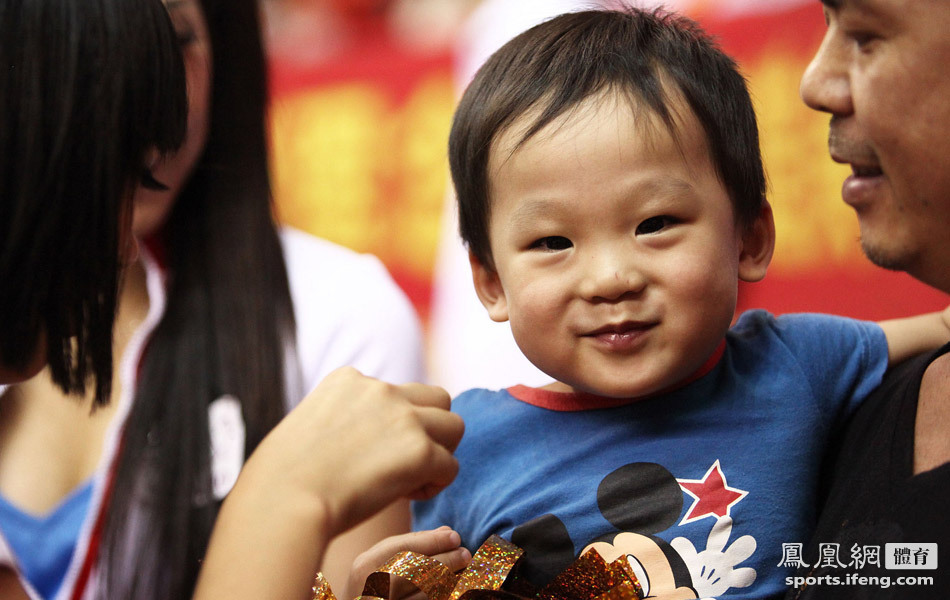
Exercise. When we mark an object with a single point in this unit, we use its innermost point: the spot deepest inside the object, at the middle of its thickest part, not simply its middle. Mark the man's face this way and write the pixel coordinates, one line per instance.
(882, 73)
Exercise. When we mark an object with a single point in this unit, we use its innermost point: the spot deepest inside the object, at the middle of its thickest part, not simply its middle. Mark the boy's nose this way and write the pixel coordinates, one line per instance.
(608, 277)
(825, 85)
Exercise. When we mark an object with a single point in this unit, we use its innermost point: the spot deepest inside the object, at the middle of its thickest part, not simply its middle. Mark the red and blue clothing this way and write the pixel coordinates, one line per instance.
(719, 473)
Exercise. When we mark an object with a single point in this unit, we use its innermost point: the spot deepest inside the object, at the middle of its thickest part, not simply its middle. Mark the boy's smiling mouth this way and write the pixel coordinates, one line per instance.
(623, 336)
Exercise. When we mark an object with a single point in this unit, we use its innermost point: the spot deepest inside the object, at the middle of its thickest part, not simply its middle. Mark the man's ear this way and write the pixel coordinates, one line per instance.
(489, 290)
(758, 243)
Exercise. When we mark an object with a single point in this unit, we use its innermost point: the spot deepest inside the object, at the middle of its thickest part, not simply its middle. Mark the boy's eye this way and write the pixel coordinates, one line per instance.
(654, 224)
(552, 243)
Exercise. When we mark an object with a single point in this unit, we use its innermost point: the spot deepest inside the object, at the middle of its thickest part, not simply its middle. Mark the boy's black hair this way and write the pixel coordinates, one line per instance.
(554, 66)
(86, 89)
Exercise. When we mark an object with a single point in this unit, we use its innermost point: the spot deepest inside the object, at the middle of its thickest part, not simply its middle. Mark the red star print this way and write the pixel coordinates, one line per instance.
(712, 495)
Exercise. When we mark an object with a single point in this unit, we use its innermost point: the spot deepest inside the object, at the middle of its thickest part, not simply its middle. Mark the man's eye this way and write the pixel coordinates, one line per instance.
(654, 224)
(552, 243)
(863, 40)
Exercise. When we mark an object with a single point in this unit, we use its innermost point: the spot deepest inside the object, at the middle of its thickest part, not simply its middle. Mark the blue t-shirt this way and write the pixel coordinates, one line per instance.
(700, 487)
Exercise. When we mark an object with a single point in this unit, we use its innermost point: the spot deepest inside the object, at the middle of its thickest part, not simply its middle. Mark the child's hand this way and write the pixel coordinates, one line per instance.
(912, 335)
(442, 544)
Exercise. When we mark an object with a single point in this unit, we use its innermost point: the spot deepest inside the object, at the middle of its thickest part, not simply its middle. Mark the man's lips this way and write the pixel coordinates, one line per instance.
(859, 155)
(865, 171)
(866, 177)
(862, 164)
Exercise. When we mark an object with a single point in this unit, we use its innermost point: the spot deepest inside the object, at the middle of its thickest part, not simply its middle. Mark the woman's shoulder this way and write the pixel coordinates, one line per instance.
(337, 275)
(312, 257)
(349, 311)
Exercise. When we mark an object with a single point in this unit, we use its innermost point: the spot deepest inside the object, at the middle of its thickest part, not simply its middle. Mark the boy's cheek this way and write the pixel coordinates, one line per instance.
(536, 305)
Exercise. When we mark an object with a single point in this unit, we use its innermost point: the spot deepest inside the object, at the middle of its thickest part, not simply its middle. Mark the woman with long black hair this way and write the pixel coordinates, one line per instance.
(223, 323)
(255, 315)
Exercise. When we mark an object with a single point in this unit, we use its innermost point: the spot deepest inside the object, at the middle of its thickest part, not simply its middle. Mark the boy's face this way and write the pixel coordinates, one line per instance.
(617, 255)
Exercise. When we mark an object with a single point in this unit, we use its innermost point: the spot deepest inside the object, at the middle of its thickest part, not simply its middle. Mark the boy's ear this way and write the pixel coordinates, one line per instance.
(758, 243)
(489, 290)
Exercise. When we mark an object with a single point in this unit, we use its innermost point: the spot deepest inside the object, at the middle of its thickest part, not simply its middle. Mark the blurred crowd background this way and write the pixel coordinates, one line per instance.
(362, 98)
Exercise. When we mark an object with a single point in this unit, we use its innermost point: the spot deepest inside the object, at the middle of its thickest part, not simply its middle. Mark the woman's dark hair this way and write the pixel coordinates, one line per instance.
(554, 66)
(225, 331)
(86, 89)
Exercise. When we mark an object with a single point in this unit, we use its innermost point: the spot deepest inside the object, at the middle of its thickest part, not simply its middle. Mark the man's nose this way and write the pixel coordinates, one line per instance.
(826, 85)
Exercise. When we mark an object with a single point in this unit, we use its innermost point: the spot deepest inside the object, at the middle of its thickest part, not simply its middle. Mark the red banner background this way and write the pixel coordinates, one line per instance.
(359, 158)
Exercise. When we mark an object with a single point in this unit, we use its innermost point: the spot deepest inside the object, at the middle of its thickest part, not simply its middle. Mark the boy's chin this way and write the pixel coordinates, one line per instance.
(605, 389)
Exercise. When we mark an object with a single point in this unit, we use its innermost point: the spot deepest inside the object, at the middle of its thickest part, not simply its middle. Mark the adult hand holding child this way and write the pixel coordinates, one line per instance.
(351, 447)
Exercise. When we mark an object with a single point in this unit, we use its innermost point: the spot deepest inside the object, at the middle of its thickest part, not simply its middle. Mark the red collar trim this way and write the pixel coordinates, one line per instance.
(158, 248)
(577, 401)
(95, 540)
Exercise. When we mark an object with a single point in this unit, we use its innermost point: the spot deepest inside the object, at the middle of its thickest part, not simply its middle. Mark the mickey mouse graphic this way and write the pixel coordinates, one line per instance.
(639, 500)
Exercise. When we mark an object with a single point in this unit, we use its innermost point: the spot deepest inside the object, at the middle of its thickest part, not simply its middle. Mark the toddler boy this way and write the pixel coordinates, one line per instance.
(612, 195)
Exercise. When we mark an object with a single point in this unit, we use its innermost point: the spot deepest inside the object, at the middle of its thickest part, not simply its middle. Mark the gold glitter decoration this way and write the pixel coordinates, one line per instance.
(624, 573)
(321, 588)
(489, 567)
(624, 591)
(430, 576)
(587, 578)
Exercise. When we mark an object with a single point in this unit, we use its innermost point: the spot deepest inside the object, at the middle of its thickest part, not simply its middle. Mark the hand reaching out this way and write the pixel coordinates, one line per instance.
(442, 544)
(350, 448)
(356, 444)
